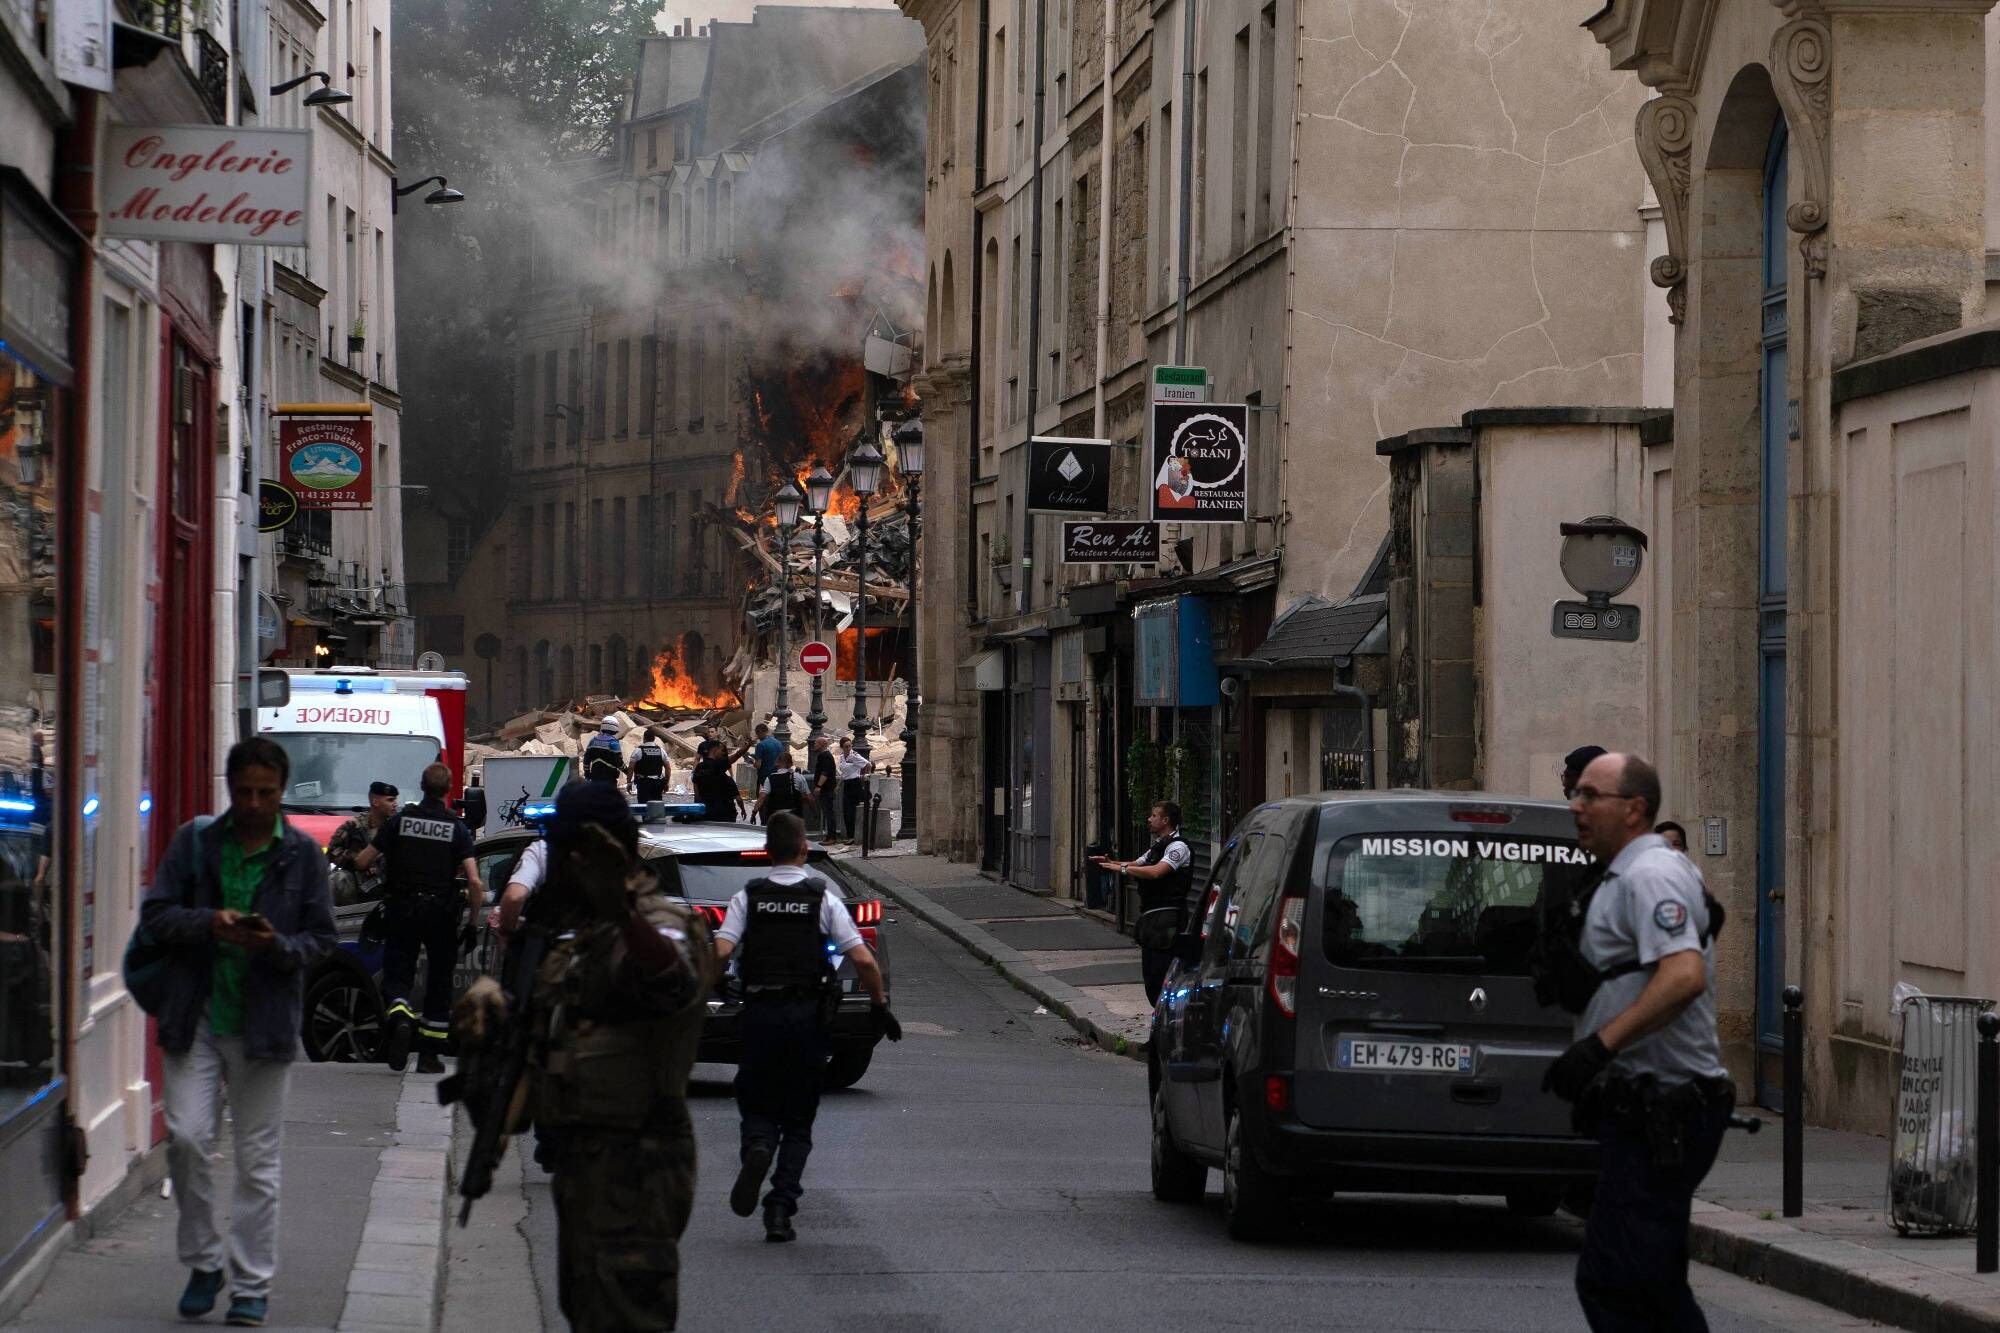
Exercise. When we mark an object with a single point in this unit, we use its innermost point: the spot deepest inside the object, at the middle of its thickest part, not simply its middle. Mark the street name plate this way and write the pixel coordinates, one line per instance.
(1616, 623)
(1180, 384)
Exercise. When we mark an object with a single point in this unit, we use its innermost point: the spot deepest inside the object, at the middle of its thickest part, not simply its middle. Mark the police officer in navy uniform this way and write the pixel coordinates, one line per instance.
(783, 925)
(428, 848)
(603, 760)
(1165, 874)
(650, 769)
(1646, 1069)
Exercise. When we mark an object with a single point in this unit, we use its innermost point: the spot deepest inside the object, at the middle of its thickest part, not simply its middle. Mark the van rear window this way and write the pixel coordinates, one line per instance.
(1442, 902)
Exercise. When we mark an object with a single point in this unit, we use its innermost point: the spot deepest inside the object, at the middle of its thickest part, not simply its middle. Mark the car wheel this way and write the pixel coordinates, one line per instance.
(1177, 1178)
(846, 1067)
(343, 1020)
(1251, 1196)
(1533, 1202)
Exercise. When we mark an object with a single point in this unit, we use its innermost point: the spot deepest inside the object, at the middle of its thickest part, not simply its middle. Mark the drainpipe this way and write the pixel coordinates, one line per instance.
(1104, 131)
(1026, 592)
(975, 562)
(1187, 179)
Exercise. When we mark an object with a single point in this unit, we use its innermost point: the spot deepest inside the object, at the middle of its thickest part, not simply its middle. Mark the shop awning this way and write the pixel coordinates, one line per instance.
(1319, 633)
(984, 670)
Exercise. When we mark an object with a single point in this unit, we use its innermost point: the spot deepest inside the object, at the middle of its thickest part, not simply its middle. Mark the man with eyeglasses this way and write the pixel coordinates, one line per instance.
(1646, 1070)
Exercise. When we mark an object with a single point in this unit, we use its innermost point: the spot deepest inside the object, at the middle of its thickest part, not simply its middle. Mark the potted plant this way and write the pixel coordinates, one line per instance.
(357, 338)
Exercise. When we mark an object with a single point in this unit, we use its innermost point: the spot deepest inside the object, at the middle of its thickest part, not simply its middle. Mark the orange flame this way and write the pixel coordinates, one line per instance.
(674, 688)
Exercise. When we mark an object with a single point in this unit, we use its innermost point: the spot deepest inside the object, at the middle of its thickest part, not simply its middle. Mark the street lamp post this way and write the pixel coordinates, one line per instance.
(909, 440)
(819, 494)
(864, 474)
(787, 503)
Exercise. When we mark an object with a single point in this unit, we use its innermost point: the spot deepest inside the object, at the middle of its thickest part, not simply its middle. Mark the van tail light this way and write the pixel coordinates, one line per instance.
(867, 934)
(868, 912)
(1278, 1094)
(1284, 971)
(1482, 814)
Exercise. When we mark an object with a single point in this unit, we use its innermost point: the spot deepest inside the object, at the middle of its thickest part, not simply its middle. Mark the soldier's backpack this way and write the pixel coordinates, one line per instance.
(1562, 975)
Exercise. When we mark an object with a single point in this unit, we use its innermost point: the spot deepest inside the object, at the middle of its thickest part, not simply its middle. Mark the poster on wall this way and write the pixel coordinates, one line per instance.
(324, 464)
(83, 44)
(1201, 462)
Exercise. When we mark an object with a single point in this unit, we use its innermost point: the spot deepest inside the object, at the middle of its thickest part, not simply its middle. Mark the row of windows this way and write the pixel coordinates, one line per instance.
(548, 388)
(547, 673)
(682, 225)
(654, 558)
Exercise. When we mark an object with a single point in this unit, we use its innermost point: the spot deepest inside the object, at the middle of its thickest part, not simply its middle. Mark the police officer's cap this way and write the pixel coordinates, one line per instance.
(582, 803)
(383, 789)
(1579, 759)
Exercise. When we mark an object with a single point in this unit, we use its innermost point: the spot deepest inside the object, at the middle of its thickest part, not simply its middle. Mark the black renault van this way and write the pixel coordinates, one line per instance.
(1360, 1016)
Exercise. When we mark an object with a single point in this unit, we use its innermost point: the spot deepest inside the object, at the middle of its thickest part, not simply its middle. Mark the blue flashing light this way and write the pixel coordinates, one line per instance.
(341, 685)
(90, 807)
(145, 805)
(13, 805)
(542, 811)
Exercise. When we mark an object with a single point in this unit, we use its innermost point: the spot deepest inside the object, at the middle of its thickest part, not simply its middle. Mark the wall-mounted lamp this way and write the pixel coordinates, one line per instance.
(324, 95)
(443, 194)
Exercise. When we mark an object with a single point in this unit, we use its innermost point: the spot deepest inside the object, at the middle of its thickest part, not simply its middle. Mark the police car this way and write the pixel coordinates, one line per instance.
(1357, 1012)
(704, 865)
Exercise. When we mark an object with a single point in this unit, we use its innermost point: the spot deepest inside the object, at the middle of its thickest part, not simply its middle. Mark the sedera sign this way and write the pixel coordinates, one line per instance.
(215, 184)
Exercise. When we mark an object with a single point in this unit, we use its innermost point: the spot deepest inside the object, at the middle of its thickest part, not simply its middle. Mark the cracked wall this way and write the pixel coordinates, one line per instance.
(1465, 233)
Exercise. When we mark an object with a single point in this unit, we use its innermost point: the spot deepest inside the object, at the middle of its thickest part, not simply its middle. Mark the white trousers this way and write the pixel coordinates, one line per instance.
(195, 1082)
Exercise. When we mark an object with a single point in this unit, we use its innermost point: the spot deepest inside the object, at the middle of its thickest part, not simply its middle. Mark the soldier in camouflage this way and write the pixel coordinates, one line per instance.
(353, 838)
(618, 1007)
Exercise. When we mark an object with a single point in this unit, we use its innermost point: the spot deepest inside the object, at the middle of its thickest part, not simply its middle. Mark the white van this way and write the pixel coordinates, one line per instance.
(343, 733)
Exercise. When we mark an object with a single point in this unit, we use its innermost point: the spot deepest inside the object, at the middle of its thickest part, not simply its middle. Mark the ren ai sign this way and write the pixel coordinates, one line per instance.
(217, 184)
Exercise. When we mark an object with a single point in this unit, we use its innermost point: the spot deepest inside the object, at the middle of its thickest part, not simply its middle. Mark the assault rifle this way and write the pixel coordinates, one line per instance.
(491, 1081)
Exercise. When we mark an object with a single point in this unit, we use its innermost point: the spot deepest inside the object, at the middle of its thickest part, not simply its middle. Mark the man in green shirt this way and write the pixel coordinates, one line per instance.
(243, 904)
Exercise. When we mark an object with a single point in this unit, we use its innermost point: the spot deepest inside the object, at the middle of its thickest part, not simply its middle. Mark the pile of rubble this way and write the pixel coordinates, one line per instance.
(565, 729)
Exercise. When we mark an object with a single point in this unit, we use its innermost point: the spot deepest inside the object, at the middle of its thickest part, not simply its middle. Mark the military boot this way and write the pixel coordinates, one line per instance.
(778, 1223)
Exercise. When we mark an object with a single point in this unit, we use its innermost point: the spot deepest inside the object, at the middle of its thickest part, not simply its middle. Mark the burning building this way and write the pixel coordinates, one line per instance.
(699, 304)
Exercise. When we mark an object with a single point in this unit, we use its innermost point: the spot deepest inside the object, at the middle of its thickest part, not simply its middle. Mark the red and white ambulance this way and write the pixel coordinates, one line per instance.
(346, 727)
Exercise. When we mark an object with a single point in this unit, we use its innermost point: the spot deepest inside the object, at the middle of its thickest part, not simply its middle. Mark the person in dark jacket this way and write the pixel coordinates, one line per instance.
(244, 904)
(714, 785)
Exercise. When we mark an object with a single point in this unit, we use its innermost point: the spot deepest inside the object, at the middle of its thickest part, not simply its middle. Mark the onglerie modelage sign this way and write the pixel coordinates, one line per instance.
(325, 463)
(207, 183)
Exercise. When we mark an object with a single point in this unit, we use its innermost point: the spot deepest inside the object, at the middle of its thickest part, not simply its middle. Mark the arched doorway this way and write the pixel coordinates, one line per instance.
(1774, 433)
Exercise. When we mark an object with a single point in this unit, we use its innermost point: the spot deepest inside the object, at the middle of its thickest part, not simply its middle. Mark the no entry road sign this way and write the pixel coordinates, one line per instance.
(815, 658)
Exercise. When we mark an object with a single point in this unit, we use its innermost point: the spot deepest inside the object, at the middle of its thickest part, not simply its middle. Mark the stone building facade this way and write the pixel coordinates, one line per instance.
(1396, 215)
(1825, 176)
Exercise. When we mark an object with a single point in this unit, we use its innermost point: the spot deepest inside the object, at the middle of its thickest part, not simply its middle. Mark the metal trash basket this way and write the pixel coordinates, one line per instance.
(1933, 1189)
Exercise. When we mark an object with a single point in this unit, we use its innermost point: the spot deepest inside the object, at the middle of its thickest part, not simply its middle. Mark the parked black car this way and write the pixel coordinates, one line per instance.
(1358, 1014)
(704, 864)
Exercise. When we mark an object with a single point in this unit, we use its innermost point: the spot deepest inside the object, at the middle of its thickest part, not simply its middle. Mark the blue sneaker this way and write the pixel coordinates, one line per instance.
(247, 1311)
(202, 1289)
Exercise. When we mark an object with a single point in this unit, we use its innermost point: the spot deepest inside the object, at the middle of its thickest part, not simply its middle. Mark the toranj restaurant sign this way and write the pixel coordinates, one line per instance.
(207, 183)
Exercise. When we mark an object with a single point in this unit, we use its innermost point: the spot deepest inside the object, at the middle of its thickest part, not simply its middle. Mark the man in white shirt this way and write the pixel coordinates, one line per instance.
(852, 767)
(786, 924)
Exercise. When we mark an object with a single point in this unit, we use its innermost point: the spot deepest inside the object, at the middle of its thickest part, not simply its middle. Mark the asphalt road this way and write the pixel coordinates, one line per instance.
(990, 1173)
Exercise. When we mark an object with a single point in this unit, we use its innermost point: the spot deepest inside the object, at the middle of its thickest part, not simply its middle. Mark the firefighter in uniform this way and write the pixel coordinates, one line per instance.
(783, 925)
(1646, 1069)
(1165, 874)
(603, 760)
(621, 997)
(651, 770)
(428, 847)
